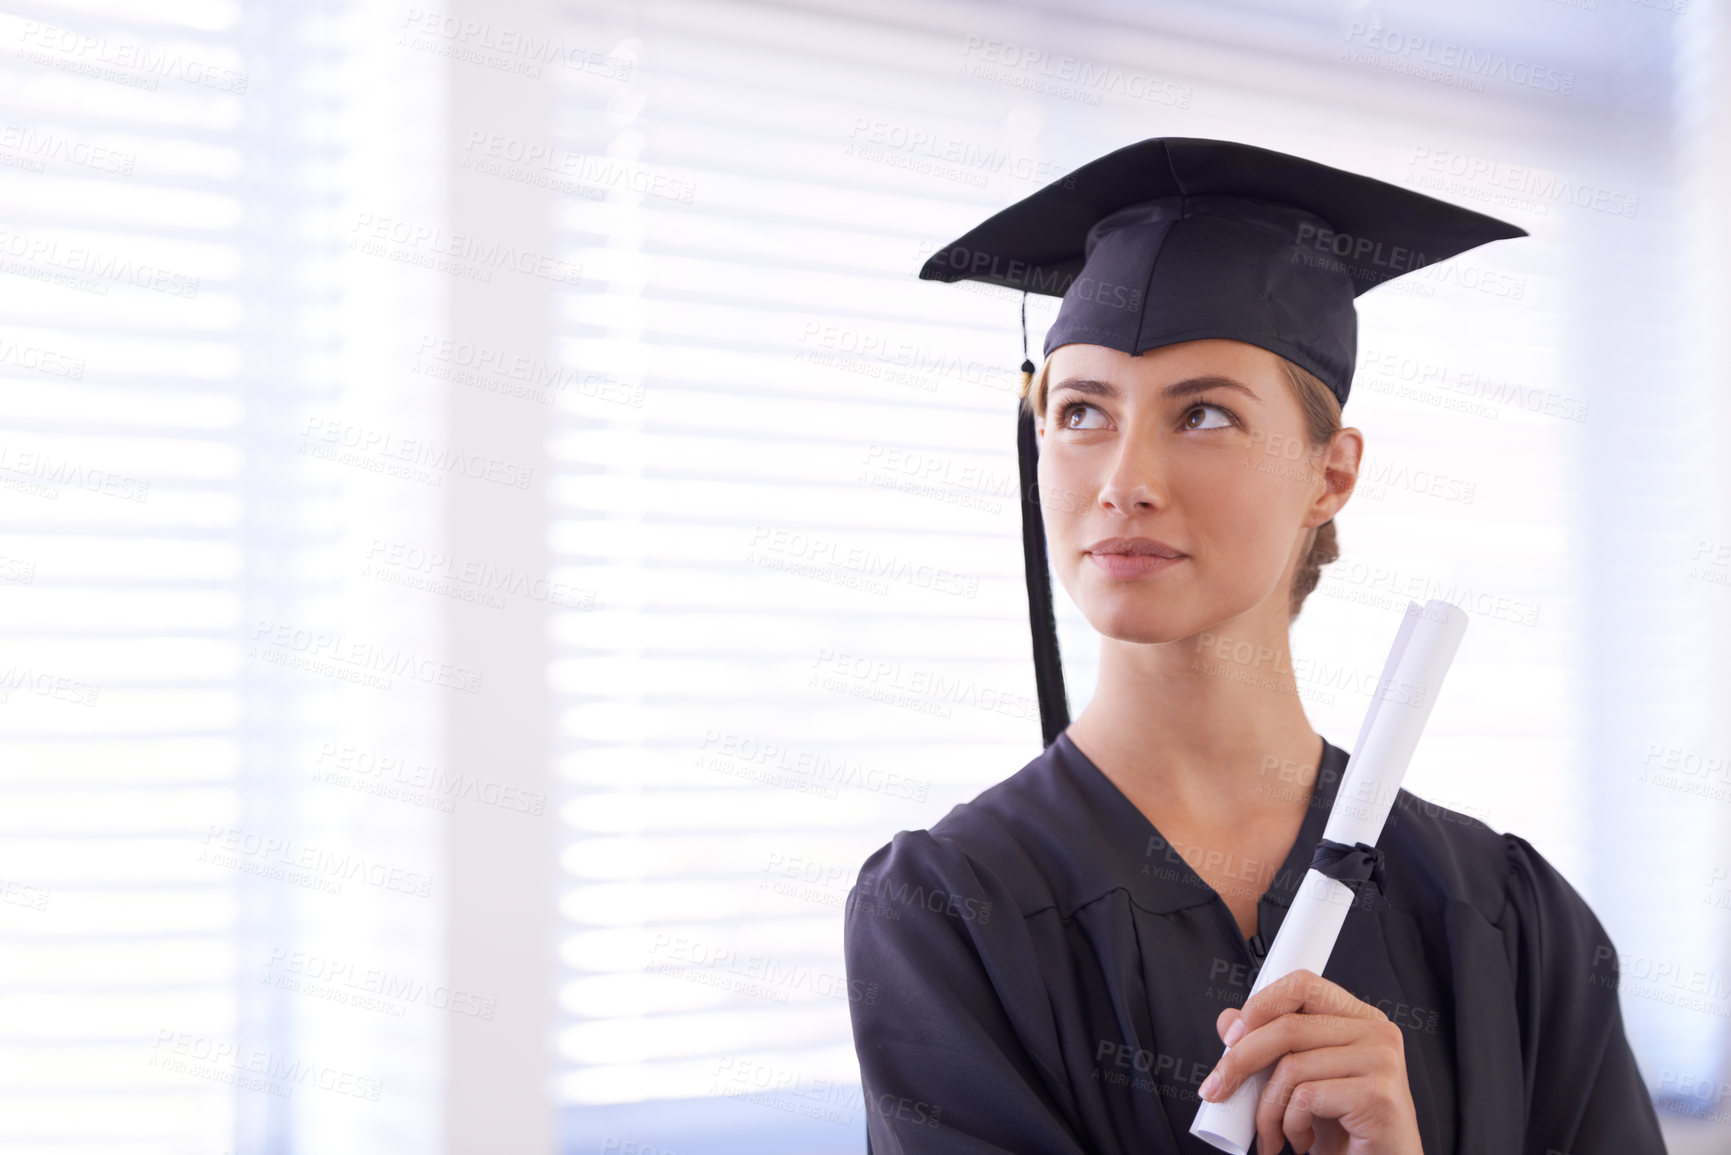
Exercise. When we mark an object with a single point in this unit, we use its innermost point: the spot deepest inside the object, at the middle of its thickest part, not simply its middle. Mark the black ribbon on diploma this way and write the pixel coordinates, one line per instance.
(1349, 865)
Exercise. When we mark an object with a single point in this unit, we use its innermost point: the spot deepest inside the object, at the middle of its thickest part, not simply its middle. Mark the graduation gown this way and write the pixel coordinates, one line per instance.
(1042, 974)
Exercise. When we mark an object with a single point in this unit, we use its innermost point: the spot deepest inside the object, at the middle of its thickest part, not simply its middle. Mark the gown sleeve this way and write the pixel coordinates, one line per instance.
(1584, 1093)
(937, 955)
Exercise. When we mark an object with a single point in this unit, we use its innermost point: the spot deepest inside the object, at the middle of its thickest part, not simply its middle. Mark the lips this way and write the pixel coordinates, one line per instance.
(1135, 547)
(1133, 557)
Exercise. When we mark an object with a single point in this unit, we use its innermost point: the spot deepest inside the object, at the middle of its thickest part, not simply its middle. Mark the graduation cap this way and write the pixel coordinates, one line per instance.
(1178, 239)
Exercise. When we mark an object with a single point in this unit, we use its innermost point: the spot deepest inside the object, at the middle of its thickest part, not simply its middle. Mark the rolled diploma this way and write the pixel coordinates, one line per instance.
(1423, 649)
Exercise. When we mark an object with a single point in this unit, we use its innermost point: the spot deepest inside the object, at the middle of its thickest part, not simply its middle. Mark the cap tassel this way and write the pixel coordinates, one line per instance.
(1048, 668)
(1027, 364)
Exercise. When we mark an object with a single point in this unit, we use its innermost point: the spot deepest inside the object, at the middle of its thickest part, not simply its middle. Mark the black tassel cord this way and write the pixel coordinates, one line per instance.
(1048, 668)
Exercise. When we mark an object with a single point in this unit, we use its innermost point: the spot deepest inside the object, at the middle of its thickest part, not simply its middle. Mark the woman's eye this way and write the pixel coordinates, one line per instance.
(1074, 409)
(1195, 409)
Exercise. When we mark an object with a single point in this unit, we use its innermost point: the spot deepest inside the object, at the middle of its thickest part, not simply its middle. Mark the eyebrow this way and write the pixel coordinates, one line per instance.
(1185, 388)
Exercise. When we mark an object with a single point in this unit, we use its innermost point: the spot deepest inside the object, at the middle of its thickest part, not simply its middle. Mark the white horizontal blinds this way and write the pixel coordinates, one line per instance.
(198, 878)
(1659, 498)
(341, 986)
(123, 533)
(1517, 437)
(788, 489)
(785, 469)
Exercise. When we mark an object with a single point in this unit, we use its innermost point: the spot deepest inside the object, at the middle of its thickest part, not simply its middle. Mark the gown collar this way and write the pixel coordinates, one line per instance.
(1136, 857)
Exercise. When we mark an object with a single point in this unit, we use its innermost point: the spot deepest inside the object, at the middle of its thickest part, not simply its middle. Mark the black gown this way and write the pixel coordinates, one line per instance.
(1043, 975)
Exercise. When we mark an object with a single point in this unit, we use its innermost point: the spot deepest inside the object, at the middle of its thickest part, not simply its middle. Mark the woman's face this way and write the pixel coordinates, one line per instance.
(1200, 446)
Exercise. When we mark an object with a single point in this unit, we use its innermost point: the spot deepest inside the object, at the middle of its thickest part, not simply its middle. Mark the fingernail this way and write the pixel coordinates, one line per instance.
(1235, 1031)
(1211, 1084)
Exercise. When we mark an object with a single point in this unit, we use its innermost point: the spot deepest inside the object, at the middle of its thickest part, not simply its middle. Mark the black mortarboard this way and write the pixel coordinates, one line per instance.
(1177, 239)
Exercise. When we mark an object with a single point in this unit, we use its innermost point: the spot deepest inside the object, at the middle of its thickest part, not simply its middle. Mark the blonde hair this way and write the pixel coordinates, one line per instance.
(1321, 421)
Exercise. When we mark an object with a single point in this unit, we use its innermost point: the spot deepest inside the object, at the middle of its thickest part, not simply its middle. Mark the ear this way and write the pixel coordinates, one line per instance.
(1340, 471)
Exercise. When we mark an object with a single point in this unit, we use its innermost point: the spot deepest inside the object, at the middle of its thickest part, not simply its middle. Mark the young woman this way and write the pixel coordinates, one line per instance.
(1059, 963)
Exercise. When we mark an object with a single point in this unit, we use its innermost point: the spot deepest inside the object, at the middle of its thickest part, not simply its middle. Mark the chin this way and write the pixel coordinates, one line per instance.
(1147, 617)
(1140, 620)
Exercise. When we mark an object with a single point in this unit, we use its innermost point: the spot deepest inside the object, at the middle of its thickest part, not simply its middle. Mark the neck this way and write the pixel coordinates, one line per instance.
(1207, 729)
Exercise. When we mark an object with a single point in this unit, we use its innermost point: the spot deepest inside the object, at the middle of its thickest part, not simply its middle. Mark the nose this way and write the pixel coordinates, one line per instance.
(1136, 483)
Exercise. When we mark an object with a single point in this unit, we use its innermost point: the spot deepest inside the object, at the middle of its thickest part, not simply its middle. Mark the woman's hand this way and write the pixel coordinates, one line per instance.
(1339, 1086)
